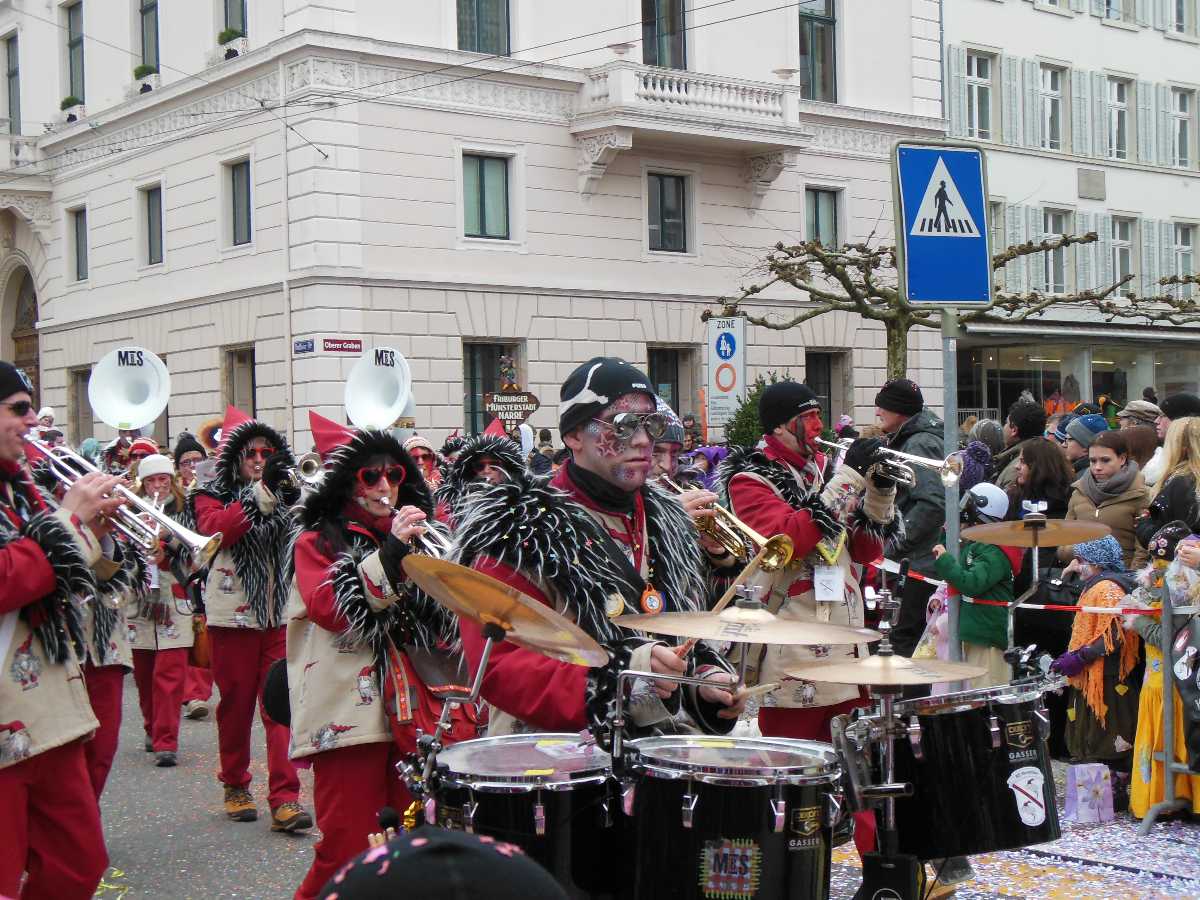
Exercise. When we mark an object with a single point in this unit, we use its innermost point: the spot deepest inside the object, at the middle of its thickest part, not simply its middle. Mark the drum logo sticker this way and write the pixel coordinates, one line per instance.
(1026, 784)
(729, 869)
(1020, 738)
(806, 827)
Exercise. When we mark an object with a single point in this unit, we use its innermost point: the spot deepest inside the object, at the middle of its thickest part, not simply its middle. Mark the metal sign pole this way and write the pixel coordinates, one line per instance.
(950, 411)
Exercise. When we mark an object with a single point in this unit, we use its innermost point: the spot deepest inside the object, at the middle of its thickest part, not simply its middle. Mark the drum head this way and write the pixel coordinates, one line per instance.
(516, 759)
(733, 758)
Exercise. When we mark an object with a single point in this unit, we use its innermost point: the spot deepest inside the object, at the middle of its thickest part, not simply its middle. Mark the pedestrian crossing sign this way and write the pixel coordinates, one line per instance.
(941, 224)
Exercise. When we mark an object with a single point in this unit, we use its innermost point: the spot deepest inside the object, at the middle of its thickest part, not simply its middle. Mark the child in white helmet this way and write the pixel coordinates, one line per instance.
(982, 572)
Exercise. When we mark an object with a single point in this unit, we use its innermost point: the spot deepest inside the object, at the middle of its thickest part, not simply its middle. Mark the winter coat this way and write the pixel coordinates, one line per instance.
(773, 496)
(1006, 463)
(922, 506)
(163, 621)
(125, 587)
(982, 571)
(1119, 513)
(1177, 499)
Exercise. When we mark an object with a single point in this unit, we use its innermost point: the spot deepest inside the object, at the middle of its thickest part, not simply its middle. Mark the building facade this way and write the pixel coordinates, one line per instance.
(255, 190)
(1088, 111)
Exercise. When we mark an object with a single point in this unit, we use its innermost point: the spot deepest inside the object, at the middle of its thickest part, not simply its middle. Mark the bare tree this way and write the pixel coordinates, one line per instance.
(861, 278)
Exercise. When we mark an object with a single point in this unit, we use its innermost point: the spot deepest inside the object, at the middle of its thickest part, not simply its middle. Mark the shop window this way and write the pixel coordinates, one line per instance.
(818, 54)
(980, 72)
(238, 374)
(664, 35)
(481, 375)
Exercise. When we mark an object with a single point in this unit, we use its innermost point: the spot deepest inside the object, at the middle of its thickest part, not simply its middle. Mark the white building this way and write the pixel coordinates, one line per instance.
(459, 181)
(1088, 111)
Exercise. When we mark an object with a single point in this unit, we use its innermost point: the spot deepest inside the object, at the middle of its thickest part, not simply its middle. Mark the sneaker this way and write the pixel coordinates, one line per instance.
(239, 805)
(195, 709)
(290, 817)
(164, 759)
(148, 745)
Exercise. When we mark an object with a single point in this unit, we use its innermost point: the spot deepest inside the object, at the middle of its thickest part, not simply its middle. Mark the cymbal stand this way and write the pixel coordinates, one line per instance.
(887, 872)
(1035, 524)
(429, 745)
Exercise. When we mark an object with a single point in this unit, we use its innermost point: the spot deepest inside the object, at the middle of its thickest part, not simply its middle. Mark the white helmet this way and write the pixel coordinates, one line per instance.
(990, 501)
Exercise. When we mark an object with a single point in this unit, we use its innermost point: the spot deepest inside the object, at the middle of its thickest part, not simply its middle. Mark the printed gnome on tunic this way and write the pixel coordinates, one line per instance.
(460, 476)
(256, 560)
(416, 619)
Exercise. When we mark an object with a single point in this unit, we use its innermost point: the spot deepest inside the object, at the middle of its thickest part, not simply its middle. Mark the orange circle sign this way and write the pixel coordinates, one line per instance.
(725, 378)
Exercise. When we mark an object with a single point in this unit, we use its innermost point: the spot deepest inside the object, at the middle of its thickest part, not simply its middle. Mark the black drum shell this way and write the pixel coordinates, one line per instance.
(669, 859)
(962, 803)
(585, 852)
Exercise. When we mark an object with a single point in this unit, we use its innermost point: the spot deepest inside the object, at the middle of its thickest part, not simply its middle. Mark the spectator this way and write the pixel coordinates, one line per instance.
(1026, 422)
(964, 429)
(990, 433)
(1177, 406)
(706, 459)
(1081, 432)
(1149, 395)
(1175, 495)
(913, 428)
(544, 439)
(1138, 412)
(1043, 476)
(976, 466)
(1145, 451)
(1051, 427)
(1111, 491)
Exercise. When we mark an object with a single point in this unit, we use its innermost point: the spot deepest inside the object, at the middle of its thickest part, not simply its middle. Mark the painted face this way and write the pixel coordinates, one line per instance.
(17, 419)
(157, 486)
(187, 465)
(378, 499)
(489, 470)
(665, 459)
(890, 421)
(596, 447)
(254, 457)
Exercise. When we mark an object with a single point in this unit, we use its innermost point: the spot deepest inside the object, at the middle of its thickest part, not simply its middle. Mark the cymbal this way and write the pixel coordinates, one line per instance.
(887, 670)
(1049, 532)
(747, 626)
(483, 599)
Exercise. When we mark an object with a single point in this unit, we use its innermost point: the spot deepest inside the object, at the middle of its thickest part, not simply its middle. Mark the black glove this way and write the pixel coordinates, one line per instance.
(391, 554)
(882, 481)
(862, 453)
(277, 478)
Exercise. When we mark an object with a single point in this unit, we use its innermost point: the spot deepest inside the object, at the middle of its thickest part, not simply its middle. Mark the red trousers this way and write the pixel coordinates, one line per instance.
(812, 724)
(198, 684)
(159, 676)
(105, 685)
(51, 827)
(240, 659)
(350, 785)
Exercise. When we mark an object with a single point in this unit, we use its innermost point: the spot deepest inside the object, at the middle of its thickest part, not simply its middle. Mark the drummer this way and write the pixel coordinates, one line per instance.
(596, 543)
(835, 528)
(478, 461)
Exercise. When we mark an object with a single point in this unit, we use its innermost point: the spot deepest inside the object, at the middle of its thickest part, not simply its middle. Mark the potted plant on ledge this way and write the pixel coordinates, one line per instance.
(148, 76)
(234, 42)
(73, 107)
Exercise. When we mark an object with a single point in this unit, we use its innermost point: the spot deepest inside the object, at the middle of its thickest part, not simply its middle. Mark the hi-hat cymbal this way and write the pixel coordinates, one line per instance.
(747, 626)
(887, 670)
(1048, 532)
(483, 599)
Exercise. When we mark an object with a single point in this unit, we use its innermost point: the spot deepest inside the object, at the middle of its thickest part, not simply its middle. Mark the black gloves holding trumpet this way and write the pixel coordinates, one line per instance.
(862, 455)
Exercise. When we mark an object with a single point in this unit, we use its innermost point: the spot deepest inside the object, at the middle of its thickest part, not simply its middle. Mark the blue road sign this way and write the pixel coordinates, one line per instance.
(726, 345)
(941, 224)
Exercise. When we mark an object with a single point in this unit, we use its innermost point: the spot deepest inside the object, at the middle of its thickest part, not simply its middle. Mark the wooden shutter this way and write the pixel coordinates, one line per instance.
(1099, 115)
(1104, 266)
(1149, 258)
(1147, 152)
(1035, 263)
(1166, 138)
(956, 91)
(1166, 253)
(1033, 102)
(1081, 113)
(1010, 77)
(1085, 254)
(1014, 229)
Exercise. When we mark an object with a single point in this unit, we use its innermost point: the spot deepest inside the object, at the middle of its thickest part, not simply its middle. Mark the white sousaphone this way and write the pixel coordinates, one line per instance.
(379, 389)
(129, 388)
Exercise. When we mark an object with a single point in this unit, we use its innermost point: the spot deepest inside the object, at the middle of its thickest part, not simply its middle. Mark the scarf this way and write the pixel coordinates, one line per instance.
(603, 493)
(1100, 492)
(379, 526)
(1103, 590)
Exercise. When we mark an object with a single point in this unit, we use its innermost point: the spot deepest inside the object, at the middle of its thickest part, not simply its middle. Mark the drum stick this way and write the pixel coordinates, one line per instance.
(751, 567)
(760, 689)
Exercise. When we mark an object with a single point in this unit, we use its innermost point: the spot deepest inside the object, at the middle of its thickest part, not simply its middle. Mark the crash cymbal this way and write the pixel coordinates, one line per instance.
(887, 670)
(747, 626)
(483, 599)
(1049, 532)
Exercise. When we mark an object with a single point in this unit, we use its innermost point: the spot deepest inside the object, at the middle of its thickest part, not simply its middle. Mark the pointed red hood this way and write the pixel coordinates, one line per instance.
(327, 434)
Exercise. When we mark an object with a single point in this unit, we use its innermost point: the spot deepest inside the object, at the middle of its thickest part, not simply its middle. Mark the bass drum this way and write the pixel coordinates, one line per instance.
(549, 794)
(980, 772)
(735, 817)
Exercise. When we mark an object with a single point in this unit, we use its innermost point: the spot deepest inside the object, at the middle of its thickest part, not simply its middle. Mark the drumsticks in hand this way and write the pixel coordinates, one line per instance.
(389, 821)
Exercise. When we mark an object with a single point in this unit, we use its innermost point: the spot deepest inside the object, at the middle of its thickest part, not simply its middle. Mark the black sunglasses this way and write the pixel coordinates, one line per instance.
(20, 408)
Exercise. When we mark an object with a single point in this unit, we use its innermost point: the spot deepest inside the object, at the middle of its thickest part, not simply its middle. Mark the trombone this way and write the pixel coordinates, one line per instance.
(68, 466)
(899, 467)
(732, 534)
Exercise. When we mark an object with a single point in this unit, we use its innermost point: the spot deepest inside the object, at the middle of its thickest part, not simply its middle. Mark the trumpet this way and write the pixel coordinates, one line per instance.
(308, 471)
(899, 467)
(432, 543)
(732, 534)
(68, 466)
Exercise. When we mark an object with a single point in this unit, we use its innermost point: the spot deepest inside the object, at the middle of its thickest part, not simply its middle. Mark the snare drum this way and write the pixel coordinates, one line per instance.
(980, 772)
(744, 817)
(548, 793)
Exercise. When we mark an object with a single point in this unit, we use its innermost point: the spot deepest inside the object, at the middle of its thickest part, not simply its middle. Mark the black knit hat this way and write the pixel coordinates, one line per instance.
(594, 385)
(900, 396)
(783, 401)
(13, 380)
(186, 444)
(440, 864)
(1179, 406)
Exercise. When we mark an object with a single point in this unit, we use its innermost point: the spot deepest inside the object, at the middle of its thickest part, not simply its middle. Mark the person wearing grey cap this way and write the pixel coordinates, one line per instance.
(1138, 412)
(1081, 432)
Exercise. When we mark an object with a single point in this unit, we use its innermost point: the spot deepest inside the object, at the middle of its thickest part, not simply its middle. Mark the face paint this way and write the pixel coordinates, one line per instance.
(623, 463)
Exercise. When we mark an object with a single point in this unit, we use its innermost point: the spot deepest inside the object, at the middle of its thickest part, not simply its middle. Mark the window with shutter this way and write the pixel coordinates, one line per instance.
(1183, 255)
(1030, 101)
(1099, 115)
(1104, 273)
(1085, 254)
(1010, 76)
(1149, 256)
(1142, 11)
(980, 73)
(1050, 105)
(1122, 247)
(1081, 133)
(956, 91)
(1166, 253)
(1055, 224)
(1014, 226)
(1146, 151)
(1179, 125)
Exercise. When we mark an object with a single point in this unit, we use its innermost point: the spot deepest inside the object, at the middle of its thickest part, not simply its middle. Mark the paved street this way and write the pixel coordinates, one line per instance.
(167, 835)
